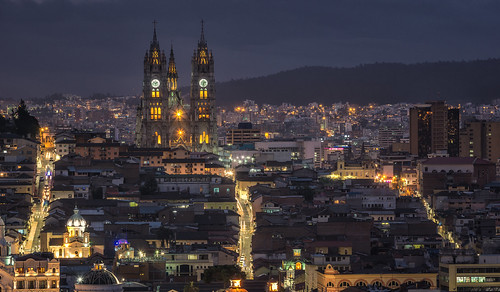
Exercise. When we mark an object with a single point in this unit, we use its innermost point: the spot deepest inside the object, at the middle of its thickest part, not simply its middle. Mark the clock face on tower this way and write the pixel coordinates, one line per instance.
(155, 83)
(203, 82)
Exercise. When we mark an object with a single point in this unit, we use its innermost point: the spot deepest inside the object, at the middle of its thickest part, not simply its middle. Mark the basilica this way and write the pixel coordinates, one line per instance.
(163, 119)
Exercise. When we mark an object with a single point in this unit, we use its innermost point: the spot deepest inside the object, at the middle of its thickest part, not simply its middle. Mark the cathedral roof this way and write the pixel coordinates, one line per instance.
(99, 275)
(76, 220)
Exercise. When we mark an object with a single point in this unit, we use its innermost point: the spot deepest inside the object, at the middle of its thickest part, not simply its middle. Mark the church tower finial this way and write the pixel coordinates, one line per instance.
(154, 30)
(202, 36)
(154, 43)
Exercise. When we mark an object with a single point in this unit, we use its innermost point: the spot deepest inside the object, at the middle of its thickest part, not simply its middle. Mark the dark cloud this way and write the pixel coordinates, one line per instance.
(86, 46)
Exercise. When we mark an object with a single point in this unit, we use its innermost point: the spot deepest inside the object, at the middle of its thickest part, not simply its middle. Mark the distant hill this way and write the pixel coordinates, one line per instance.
(471, 81)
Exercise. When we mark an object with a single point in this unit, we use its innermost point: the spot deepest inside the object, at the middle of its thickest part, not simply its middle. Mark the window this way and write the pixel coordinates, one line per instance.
(377, 283)
(203, 93)
(393, 284)
(344, 284)
(155, 57)
(156, 113)
(42, 284)
(20, 285)
(203, 57)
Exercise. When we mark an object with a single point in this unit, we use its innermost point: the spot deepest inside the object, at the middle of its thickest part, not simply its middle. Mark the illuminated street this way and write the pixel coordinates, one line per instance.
(445, 234)
(39, 210)
(246, 232)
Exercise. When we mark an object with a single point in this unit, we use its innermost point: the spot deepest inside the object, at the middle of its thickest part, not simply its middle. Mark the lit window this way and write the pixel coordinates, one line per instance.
(203, 57)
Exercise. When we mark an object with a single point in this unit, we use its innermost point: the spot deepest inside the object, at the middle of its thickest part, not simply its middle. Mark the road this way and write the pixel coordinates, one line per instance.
(32, 242)
(442, 231)
(246, 232)
(39, 209)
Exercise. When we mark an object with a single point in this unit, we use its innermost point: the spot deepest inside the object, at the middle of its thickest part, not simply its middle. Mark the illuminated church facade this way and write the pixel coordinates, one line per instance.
(163, 119)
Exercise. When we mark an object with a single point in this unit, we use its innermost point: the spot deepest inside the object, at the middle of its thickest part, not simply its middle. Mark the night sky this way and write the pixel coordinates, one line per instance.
(90, 46)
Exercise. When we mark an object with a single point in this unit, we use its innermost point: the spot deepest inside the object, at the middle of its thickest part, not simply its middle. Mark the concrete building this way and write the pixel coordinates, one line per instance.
(441, 173)
(36, 272)
(480, 139)
(463, 274)
(433, 128)
(355, 170)
(245, 133)
(331, 280)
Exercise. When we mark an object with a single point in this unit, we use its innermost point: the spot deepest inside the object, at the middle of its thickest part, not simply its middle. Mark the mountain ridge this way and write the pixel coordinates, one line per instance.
(385, 82)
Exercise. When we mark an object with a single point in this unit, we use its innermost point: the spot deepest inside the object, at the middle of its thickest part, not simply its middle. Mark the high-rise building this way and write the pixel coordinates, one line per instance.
(453, 132)
(163, 120)
(480, 139)
(433, 128)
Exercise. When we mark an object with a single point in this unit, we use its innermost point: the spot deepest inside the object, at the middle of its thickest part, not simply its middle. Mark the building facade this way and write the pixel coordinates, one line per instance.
(163, 121)
(480, 139)
(36, 273)
(434, 128)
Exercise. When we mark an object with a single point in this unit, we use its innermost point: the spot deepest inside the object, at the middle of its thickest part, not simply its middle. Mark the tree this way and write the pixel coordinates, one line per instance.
(149, 187)
(4, 124)
(98, 193)
(26, 124)
(190, 287)
(306, 192)
(223, 273)
(165, 235)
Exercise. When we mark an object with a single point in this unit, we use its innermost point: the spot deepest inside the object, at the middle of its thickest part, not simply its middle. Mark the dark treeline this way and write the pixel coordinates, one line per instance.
(471, 81)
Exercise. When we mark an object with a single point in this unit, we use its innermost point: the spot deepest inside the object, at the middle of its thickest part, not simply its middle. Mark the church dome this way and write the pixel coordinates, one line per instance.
(99, 275)
(76, 220)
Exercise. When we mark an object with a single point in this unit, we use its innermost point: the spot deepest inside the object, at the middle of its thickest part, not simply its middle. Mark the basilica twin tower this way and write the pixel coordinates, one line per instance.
(163, 120)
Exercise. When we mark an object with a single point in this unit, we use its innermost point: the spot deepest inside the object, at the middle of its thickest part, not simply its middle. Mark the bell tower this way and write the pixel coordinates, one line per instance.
(151, 127)
(203, 119)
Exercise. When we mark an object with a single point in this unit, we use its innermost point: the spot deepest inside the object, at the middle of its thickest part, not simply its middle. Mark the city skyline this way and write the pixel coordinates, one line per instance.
(92, 46)
(377, 177)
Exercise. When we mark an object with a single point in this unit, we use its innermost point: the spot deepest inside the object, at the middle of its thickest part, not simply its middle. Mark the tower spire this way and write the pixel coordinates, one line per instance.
(154, 31)
(202, 36)
(202, 31)
(172, 70)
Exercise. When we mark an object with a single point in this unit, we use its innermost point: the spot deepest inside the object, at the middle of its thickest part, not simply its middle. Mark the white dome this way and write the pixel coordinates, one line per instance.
(76, 220)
